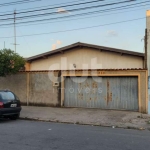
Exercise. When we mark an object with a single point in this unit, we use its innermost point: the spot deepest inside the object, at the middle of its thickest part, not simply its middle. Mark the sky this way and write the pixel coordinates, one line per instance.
(110, 27)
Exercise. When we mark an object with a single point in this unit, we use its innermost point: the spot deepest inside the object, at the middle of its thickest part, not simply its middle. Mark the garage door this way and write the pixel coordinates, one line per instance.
(102, 92)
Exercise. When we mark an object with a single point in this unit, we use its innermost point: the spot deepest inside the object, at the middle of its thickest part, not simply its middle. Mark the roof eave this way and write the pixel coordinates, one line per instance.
(60, 50)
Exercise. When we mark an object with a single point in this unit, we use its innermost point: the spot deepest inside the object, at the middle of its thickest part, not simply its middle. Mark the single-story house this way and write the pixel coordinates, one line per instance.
(93, 76)
(85, 56)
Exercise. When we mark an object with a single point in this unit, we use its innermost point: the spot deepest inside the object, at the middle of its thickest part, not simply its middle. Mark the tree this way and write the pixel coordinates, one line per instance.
(10, 62)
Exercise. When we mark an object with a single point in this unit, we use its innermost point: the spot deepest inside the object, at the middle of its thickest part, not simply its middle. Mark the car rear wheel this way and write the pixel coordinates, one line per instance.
(14, 117)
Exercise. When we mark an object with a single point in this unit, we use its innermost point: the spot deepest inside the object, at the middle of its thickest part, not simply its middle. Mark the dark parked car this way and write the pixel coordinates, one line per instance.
(10, 106)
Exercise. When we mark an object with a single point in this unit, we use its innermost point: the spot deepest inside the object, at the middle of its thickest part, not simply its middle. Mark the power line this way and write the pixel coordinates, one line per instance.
(81, 14)
(51, 5)
(46, 6)
(61, 4)
(78, 9)
(84, 17)
(18, 2)
(53, 8)
(64, 6)
(47, 14)
(77, 28)
(71, 10)
(77, 18)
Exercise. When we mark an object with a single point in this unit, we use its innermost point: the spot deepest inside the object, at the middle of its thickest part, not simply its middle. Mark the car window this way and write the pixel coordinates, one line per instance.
(7, 96)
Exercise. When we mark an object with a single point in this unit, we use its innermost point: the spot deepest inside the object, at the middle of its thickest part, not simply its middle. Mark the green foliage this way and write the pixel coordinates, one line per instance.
(10, 62)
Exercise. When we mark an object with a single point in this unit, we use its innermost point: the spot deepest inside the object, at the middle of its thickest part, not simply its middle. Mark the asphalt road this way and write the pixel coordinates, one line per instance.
(31, 135)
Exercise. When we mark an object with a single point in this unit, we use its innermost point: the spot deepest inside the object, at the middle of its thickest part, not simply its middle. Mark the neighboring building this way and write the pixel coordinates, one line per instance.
(91, 76)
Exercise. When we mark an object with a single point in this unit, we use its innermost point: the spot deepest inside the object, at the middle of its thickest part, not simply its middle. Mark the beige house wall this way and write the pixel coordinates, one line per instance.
(86, 58)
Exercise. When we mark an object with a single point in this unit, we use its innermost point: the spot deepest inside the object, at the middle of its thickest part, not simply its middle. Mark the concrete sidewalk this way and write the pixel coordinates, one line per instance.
(122, 119)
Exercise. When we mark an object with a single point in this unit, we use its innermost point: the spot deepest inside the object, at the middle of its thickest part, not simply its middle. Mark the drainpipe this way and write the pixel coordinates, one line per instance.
(145, 41)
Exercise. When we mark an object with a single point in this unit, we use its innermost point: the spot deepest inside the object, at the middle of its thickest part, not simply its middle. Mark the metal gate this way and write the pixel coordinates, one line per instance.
(102, 92)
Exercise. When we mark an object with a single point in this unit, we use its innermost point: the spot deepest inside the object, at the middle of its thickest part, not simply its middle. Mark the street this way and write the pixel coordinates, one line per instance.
(32, 135)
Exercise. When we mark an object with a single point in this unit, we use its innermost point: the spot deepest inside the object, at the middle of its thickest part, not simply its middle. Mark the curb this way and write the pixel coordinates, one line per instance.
(80, 123)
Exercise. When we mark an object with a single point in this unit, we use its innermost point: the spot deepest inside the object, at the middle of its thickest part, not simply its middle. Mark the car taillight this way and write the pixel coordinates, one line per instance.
(1, 105)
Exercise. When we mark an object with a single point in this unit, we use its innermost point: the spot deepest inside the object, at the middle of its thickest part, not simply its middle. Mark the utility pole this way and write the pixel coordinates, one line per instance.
(4, 44)
(145, 43)
(147, 46)
(15, 30)
(15, 44)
